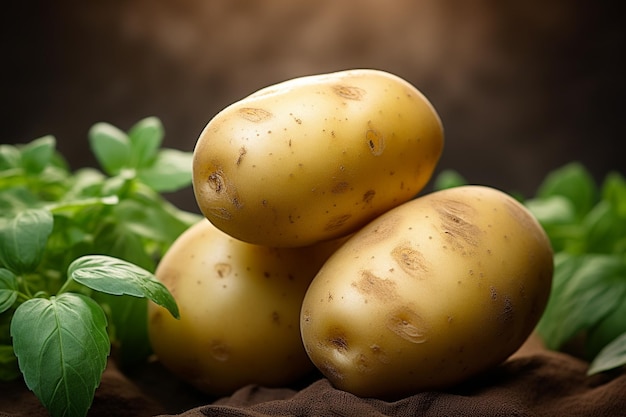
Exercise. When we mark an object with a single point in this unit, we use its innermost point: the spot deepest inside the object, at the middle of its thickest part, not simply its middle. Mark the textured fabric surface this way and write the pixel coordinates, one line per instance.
(533, 382)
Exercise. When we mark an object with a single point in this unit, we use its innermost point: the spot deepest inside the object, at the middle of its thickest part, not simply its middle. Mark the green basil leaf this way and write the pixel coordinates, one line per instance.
(111, 147)
(614, 191)
(8, 289)
(117, 240)
(610, 327)
(23, 240)
(140, 215)
(448, 179)
(119, 185)
(604, 229)
(118, 277)
(128, 327)
(145, 137)
(10, 157)
(16, 199)
(86, 182)
(574, 182)
(585, 289)
(612, 356)
(62, 348)
(37, 154)
(171, 171)
(552, 210)
(5, 326)
(9, 370)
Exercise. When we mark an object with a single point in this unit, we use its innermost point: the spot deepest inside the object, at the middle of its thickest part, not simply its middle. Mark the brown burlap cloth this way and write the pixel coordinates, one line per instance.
(533, 382)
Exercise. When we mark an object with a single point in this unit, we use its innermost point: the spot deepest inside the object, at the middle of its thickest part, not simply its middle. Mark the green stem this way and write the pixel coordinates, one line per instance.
(64, 205)
(23, 283)
(65, 285)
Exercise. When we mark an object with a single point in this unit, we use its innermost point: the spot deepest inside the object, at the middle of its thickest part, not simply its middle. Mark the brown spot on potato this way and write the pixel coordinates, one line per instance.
(276, 318)
(216, 181)
(379, 288)
(361, 362)
(223, 269)
(337, 222)
(379, 353)
(219, 350)
(242, 152)
(340, 187)
(338, 342)
(456, 223)
(410, 260)
(349, 92)
(306, 317)
(235, 200)
(383, 230)
(219, 212)
(494, 293)
(506, 316)
(408, 325)
(375, 141)
(368, 196)
(253, 114)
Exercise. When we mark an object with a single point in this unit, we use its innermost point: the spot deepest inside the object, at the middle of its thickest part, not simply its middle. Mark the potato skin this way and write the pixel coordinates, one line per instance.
(315, 158)
(429, 294)
(239, 310)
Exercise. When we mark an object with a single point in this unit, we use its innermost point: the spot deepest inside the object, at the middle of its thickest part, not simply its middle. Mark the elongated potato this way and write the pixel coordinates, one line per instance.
(315, 158)
(428, 294)
(239, 310)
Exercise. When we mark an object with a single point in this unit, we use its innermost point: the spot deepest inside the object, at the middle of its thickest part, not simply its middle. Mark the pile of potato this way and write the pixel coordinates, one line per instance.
(317, 252)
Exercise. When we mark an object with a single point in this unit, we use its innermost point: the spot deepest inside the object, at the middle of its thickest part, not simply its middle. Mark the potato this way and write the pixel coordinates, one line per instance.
(315, 158)
(239, 310)
(428, 294)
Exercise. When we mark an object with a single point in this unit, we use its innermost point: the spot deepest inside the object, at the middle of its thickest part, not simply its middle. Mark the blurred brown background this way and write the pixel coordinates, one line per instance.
(522, 87)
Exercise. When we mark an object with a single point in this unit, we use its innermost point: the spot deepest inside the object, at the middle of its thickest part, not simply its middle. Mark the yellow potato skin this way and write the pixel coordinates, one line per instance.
(429, 294)
(315, 158)
(239, 310)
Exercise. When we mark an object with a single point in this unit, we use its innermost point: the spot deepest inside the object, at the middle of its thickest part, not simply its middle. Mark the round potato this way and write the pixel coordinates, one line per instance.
(315, 158)
(428, 294)
(239, 310)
